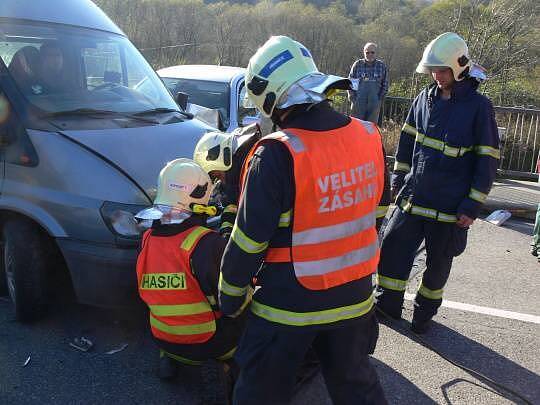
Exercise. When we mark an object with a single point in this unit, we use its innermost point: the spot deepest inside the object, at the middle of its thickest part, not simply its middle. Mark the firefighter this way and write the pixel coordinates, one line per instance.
(445, 164)
(222, 155)
(178, 271)
(305, 236)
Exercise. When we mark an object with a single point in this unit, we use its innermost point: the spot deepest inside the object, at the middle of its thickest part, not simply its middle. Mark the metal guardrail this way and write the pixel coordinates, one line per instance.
(518, 130)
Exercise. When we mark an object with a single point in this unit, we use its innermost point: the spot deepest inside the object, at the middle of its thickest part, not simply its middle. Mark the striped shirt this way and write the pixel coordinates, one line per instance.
(376, 71)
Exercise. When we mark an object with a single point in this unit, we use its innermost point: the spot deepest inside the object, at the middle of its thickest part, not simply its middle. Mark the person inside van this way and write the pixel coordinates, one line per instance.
(178, 272)
(51, 68)
(23, 68)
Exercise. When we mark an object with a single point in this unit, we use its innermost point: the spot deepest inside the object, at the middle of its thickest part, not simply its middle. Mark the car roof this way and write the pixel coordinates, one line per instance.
(213, 73)
(82, 13)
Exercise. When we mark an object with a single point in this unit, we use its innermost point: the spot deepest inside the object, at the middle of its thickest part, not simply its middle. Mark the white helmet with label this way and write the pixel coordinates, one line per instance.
(447, 50)
(214, 151)
(183, 187)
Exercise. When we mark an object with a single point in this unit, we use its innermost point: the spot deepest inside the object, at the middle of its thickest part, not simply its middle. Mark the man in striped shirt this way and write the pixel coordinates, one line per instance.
(370, 80)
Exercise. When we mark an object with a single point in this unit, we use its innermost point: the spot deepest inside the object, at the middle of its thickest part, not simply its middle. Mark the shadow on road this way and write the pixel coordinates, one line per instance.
(479, 358)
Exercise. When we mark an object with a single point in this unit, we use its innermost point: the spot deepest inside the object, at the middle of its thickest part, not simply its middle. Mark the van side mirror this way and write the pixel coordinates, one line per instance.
(182, 100)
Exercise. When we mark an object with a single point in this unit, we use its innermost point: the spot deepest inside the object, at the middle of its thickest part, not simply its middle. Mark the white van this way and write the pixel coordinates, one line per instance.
(81, 148)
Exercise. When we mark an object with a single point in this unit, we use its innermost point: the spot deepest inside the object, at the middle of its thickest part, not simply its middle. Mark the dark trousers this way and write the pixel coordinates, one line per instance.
(270, 356)
(403, 236)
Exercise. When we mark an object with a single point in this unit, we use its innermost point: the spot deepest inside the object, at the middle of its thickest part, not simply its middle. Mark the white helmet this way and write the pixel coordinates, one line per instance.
(277, 65)
(214, 151)
(183, 187)
(447, 50)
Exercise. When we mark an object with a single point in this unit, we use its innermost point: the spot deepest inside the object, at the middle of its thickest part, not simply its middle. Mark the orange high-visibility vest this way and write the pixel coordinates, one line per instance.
(179, 310)
(339, 180)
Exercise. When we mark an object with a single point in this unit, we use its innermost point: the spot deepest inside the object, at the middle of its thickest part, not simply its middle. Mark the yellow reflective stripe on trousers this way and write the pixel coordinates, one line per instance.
(230, 289)
(477, 196)
(488, 151)
(401, 167)
(245, 243)
(325, 266)
(427, 212)
(382, 210)
(181, 309)
(180, 358)
(409, 129)
(334, 232)
(285, 219)
(430, 294)
(311, 318)
(190, 240)
(205, 327)
(391, 283)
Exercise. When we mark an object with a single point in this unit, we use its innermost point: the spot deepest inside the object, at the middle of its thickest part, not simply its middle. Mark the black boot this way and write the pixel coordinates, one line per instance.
(420, 326)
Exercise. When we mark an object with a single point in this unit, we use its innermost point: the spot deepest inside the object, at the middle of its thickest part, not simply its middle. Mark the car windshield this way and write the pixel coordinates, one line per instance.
(60, 68)
(206, 93)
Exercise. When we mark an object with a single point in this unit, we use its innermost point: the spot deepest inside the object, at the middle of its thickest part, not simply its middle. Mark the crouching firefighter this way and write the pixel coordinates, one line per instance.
(445, 165)
(178, 271)
(305, 231)
(222, 156)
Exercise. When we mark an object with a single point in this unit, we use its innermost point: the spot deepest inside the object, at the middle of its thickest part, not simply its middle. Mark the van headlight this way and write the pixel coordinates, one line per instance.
(120, 218)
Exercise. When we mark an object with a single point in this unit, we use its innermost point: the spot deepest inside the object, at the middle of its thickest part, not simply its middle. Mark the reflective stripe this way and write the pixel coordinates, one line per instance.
(180, 358)
(246, 244)
(205, 327)
(211, 299)
(400, 166)
(427, 212)
(334, 232)
(391, 283)
(311, 318)
(441, 146)
(226, 225)
(488, 151)
(320, 267)
(296, 143)
(368, 126)
(233, 209)
(408, 129)
(285, 219)
(230, 289)
(382, 210)
(181, 309)
(477, 196)
(193, 236)
(228, 355)
(430, 294)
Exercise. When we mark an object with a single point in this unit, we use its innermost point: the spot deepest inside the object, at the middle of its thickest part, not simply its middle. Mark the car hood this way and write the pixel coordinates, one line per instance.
(141, 153)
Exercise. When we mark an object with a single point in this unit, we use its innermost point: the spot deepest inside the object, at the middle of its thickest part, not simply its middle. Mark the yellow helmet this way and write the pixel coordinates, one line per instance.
(183, 185)
(447, 50)
(277, 65)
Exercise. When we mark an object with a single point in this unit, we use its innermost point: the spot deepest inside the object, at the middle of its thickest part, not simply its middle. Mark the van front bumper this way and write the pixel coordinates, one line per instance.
(102, 275)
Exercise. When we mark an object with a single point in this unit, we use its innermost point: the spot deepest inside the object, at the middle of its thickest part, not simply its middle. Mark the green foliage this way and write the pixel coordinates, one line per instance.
(502, 35)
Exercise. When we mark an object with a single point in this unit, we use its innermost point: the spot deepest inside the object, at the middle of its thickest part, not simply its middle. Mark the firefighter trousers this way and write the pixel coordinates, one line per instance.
(402, 238)
(270, 356)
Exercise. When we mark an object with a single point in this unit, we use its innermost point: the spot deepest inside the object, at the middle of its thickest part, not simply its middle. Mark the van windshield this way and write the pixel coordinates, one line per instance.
(60, 68)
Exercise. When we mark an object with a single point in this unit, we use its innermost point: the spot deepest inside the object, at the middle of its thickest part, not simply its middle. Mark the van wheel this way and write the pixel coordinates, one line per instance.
(25, 264)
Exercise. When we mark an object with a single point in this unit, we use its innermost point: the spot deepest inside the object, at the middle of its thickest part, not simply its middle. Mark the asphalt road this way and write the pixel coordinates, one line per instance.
(496, 272)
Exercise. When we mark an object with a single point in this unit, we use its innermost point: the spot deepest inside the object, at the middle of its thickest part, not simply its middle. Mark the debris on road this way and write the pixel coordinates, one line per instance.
(26, 362)
(498, 217)
(83, 344)
(113, 351)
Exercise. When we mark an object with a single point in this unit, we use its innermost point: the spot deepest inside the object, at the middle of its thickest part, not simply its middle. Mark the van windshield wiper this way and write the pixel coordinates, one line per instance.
(163, 110)
(91, 111)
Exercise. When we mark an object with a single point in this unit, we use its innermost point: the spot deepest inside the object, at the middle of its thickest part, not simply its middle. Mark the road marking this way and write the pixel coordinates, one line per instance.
(485, 310)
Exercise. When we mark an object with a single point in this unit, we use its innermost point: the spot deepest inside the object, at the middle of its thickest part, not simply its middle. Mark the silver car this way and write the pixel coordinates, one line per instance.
(82, 146)
(214, 87)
